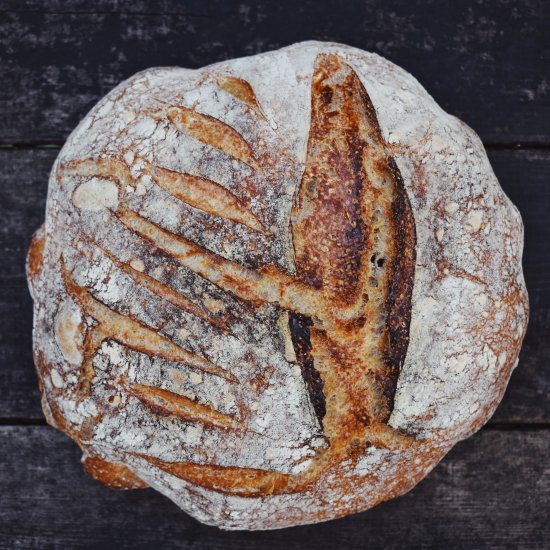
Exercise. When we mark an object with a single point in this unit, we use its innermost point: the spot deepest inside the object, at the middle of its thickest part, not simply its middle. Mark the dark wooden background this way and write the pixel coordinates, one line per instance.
(486, 61)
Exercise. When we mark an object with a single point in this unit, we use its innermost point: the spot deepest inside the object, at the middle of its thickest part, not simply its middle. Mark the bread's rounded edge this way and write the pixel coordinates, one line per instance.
(35, 258)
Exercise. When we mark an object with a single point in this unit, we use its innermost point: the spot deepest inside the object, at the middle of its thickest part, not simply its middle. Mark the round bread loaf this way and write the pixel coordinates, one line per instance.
(277, 289)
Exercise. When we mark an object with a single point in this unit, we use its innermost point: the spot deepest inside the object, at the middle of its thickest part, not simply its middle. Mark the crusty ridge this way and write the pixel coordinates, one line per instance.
(354, 241)
(354, 237)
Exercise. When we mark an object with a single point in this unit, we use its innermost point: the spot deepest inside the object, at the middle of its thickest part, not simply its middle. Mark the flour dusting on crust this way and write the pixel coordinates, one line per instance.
(189, 318)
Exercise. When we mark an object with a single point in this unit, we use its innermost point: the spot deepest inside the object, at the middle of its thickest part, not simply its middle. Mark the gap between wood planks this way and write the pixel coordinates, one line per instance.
(125, 13)
(490, 426)
(490, 145)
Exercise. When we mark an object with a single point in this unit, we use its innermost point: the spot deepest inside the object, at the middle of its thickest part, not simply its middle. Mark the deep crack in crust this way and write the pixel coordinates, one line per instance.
(344, 304)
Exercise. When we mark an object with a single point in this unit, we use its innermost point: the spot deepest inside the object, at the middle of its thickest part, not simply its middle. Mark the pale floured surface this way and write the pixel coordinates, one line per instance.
(68, 333)
(468, 309)
(96, 195)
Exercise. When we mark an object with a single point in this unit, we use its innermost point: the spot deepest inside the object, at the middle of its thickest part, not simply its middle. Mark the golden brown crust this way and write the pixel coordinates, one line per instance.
(211, 131)
(168, 403)
(204, 194)
(116, 476)
(353, 229)
(240, 89)
(35, 256)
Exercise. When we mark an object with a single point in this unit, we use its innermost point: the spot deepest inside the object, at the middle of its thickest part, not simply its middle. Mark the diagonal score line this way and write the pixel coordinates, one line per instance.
(203, 194)
(178, 405)
(209, 130)
(136, 335)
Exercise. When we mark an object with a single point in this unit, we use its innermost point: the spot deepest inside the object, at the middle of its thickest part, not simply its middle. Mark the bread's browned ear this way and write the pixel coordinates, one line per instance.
(328, 225)
(352, 225)
(346, 198)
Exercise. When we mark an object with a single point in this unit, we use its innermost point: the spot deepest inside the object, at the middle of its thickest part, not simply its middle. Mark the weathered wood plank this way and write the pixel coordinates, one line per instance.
(117, 6)
(23, 189)
(524, 175)
(19, 395)
(491, 491)
(486, 62)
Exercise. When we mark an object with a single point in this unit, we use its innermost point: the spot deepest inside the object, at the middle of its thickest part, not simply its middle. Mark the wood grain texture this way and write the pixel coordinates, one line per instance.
(524, 176)
(470, 500)
(486, 62)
